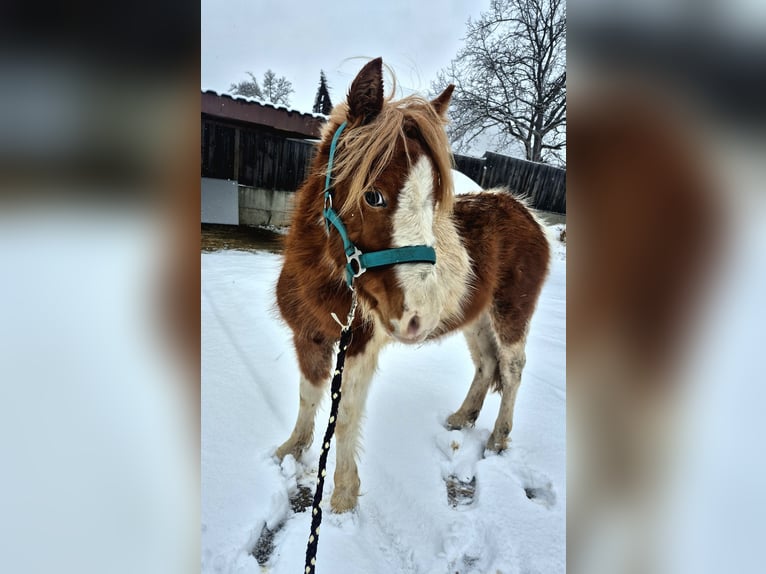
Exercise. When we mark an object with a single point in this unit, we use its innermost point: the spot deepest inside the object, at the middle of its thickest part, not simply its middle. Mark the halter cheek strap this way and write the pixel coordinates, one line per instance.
(356, 261)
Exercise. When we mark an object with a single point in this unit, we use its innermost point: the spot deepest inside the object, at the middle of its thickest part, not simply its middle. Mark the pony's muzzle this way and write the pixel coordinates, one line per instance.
(413, 327)
(410, 328)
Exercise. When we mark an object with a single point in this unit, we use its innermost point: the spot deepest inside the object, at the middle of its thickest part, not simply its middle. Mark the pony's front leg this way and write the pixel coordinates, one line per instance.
(314, 358)
(303, 433)
(357, 375)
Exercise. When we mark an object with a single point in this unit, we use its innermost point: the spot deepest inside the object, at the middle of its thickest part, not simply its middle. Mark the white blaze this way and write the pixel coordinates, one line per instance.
(432, 292)
(414, 217)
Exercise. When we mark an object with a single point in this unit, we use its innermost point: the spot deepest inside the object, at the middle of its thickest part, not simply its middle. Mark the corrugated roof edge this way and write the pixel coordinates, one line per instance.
(265, 104)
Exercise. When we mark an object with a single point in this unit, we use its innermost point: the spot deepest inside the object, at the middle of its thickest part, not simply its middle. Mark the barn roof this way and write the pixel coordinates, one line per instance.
(256, 112)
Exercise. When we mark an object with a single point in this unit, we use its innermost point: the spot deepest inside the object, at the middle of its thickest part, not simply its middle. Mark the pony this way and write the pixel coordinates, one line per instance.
(383, 168)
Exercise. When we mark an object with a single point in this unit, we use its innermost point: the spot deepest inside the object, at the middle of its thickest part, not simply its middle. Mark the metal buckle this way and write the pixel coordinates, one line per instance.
(354, 263)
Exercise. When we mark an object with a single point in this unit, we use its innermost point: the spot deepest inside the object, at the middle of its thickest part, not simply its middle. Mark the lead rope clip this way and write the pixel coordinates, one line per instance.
(351, 313)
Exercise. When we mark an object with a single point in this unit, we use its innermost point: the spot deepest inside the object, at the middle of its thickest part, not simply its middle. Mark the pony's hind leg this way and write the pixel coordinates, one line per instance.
(511, 360)
(314, 358)
(482, 344)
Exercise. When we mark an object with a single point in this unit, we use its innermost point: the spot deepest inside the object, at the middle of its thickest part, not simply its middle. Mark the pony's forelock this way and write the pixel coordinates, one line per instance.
(363, 152)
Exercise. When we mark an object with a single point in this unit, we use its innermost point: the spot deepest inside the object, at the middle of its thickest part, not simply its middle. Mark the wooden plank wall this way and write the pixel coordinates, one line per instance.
(268, 160)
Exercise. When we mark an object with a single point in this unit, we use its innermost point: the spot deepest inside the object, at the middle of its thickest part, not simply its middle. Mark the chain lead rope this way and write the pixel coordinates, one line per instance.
(335, 392)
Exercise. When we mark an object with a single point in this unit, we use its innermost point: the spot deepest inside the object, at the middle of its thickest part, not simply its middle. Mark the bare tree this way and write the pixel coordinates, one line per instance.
(276, 90)
(510, 78)
(246, 88)
(273, 89)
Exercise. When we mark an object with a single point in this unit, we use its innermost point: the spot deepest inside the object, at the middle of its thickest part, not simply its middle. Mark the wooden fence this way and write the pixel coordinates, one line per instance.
(544, 185)
(265, 159)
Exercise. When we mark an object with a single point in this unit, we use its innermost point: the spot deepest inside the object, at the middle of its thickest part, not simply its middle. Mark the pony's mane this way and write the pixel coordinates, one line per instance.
(363, 152)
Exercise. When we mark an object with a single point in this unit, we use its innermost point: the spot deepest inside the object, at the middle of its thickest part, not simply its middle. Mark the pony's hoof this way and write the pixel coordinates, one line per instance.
(343, 501)
(289, 448)
(497, 444)
(458, 421)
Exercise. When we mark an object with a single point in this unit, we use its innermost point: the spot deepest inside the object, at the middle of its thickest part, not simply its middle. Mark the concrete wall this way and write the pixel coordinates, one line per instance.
(220, 201)
(225, 202)
(553, 218)
(265, 206)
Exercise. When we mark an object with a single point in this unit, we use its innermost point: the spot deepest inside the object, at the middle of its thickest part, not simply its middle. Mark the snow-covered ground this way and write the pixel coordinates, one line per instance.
(404, 522)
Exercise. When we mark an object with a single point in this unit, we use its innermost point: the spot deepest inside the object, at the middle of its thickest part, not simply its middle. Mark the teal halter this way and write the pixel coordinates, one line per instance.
(356, 261)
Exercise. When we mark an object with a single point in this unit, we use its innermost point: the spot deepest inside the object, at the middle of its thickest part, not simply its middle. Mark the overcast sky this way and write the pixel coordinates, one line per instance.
(297, 39)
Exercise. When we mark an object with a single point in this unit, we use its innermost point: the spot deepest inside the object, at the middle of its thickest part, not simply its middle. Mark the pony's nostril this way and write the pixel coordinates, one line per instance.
(414, 326)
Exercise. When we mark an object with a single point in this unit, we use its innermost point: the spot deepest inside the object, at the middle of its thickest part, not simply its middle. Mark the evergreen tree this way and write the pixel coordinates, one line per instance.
(322, 102)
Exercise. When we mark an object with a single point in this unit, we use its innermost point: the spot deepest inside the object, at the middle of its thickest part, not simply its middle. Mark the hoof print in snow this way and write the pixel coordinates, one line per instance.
(537, 485)
(462, 450)
(460, 492)
(469, 562)
(300, 483)
(302, 498)
(541, 494)
(264, 546)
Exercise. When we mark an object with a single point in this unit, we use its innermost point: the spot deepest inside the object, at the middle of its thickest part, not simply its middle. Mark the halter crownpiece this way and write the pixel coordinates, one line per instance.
(358, 262)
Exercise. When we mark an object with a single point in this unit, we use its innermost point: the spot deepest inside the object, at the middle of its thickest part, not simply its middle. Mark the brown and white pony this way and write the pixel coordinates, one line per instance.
(392, 187)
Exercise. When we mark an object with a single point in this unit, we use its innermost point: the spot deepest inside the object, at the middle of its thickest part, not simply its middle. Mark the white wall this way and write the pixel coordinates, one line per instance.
(220, 201)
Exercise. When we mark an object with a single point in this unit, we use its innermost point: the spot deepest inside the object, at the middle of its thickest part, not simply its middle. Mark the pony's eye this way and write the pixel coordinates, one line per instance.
(375, 198)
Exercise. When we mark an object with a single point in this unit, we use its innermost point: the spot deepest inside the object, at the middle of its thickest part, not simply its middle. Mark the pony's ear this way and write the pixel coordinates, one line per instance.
(365, 97)
(441, 102)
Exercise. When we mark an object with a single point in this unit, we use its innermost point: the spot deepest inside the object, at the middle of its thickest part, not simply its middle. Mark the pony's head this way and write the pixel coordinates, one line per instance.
(392, 186)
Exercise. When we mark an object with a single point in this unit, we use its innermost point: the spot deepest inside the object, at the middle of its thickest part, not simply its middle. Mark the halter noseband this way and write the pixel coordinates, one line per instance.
(356, 261)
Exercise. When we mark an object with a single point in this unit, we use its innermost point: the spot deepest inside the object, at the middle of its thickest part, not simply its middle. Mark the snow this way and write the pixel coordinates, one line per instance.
(404, 522)
(464, 184)
(263, 102)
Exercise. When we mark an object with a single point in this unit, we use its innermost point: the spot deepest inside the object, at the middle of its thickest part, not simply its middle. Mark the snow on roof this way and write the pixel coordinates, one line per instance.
(264, 103)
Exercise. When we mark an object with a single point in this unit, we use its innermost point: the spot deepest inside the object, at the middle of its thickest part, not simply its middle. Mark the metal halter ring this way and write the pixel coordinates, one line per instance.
(355, 263)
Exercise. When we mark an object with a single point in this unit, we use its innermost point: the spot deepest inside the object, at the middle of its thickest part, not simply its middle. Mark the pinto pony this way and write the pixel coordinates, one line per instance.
(389, 164)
